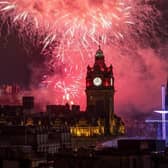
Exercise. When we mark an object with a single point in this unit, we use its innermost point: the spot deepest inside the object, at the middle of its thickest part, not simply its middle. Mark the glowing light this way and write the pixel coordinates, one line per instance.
(155, 121)
(161, 111)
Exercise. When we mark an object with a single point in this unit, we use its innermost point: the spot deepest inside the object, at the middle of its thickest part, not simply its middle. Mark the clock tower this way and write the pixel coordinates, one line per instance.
(100, 91)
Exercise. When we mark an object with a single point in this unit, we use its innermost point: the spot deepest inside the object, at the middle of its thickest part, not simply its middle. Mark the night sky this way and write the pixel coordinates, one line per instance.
(17, 56)
(13, 62)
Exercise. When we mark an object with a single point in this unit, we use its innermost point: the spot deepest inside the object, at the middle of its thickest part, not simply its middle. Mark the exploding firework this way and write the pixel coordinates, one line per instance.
(80, 20)
(66, 34)
(69, 32)
(75, 26)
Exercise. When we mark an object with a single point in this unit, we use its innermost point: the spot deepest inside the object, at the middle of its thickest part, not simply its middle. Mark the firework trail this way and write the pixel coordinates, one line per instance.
(76, 25)
(80, 20)
(69, 32)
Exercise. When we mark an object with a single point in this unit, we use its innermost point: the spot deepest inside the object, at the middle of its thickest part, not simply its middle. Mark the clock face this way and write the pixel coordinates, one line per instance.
(97, 81)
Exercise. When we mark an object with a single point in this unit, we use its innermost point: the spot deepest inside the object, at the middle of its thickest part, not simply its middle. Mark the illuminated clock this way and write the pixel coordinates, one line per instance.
(97, 81)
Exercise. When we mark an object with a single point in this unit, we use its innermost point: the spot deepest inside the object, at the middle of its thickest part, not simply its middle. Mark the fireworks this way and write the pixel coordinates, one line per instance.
(66, 35)
(69, 32)
(78, 19)
(76, 26)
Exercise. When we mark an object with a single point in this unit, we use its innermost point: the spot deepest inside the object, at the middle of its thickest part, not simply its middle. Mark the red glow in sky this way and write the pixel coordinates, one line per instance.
(128, 33)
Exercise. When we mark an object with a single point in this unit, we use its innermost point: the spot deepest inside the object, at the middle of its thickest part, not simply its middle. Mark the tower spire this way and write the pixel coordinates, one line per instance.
(99, 53)
(99, 46)
(99, 42)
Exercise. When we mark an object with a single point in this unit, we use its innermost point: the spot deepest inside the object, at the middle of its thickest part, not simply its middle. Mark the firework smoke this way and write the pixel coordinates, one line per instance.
(75, 19)
(75, 25)
(68, 34)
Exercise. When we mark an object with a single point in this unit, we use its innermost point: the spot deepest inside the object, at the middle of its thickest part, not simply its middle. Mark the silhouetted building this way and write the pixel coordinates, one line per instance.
(28, 102)
(99, 119)
(31, 144)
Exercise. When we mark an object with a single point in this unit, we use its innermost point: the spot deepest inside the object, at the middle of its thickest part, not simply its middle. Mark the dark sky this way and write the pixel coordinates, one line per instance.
(13, 62)
(18, 54)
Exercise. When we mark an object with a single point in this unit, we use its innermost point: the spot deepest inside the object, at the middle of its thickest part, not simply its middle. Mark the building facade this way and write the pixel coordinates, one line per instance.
(100, 119)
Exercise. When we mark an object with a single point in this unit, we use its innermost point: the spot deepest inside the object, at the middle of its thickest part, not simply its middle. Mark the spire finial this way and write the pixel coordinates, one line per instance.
(99, 52)
(99, 47)
(100, 42)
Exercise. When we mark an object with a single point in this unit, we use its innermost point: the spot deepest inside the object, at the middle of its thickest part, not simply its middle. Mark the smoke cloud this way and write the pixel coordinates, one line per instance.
(140, 63)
